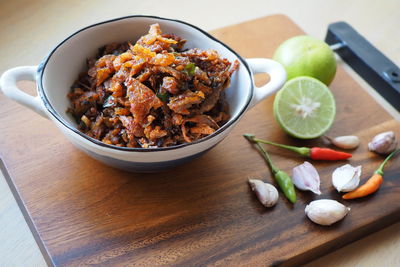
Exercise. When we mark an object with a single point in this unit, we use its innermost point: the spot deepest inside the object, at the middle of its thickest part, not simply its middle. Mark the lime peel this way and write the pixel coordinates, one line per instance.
(305, 55)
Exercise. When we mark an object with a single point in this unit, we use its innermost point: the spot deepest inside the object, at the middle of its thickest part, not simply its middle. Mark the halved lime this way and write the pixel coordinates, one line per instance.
(304, 107)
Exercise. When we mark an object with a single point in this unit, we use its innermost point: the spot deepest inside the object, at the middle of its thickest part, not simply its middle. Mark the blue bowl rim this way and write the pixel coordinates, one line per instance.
(54, 113)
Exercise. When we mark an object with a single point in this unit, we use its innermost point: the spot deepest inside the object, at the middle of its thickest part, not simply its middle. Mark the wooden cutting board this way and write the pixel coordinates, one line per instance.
(203, 213)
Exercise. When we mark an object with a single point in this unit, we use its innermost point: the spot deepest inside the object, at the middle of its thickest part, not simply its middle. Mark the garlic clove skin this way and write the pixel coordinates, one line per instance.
(305, 177)
(383, 143)
(266, 193)
(346, 141)
(326, 211)
(346, 178)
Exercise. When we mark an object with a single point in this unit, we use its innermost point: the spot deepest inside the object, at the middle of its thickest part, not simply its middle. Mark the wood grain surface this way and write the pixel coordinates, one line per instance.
(204, 212)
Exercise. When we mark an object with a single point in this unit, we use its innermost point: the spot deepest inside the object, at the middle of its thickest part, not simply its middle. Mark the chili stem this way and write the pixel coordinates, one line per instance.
(380, 169)
(304, 151)
(267, 158)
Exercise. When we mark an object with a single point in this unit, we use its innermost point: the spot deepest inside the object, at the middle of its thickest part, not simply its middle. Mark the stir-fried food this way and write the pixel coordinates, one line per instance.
(153, 93)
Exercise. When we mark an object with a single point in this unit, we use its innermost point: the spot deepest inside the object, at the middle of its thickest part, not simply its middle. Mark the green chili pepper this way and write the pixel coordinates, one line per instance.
(283, 179)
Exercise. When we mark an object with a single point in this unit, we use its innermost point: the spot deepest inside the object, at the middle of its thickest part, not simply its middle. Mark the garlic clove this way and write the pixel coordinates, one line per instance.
(346, 141)
(326, 211)
(265, 192)
(383, 143)
(346, 178)
(305, 177)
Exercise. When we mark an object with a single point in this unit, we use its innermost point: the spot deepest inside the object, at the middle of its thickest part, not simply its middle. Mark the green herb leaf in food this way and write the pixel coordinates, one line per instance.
(190, 68)
(163, 96)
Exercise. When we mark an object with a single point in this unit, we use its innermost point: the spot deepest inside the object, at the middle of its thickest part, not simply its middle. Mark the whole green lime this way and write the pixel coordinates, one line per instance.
(307, 56)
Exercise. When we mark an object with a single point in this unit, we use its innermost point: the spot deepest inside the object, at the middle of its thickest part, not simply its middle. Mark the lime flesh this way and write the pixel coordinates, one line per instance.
(305, 108)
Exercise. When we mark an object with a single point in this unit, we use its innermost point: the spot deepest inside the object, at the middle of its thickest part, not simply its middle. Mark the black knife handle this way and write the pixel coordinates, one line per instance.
(373, 66)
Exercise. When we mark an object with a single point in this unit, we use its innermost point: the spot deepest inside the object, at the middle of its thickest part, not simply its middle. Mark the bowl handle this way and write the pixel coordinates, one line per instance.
(276, 73)
(8, 84)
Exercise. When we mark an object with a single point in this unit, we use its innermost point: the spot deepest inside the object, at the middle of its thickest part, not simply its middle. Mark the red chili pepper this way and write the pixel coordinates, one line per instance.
(373, 183)
(316, 153)
(319, 153)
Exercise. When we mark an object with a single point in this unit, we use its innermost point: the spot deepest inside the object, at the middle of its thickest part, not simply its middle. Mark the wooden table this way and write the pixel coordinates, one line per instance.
(43, 24)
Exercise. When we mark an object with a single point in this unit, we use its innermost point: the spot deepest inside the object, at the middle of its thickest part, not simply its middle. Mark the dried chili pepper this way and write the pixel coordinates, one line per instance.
(373, 183)
(284, 181)
(316, 153)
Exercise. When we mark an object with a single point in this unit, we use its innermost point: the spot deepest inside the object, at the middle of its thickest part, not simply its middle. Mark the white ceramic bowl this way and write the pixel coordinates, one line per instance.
(55, 75)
